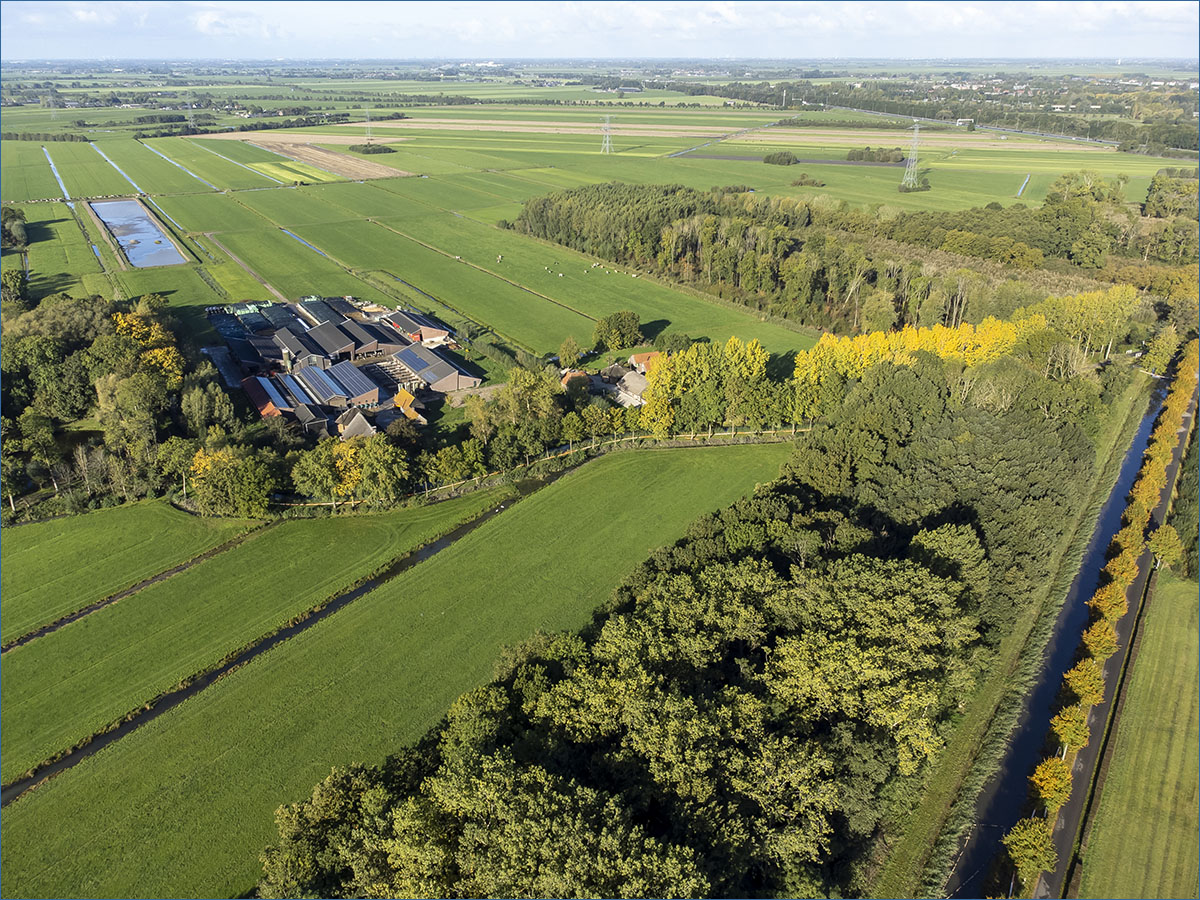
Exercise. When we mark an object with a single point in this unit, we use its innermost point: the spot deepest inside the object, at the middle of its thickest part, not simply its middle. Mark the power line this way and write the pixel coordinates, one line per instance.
(910, 169)
(606, 147)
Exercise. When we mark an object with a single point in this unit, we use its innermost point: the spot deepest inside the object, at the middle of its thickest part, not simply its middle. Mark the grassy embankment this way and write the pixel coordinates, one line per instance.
(924, 837)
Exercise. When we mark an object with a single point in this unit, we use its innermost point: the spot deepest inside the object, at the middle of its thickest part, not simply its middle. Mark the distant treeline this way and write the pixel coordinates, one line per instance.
(37, 136)
(880, 154)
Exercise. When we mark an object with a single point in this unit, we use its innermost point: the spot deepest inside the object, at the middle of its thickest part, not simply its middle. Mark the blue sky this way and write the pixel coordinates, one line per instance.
(260, 29)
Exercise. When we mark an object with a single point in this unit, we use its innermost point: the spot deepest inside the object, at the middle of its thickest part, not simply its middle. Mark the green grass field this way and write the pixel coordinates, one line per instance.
(59, 689)
(1143, 840)
(86, 173)
(59, 255)
(153, 174)
(25, 173)
(50, 569)
(212, 168)
(181, 806)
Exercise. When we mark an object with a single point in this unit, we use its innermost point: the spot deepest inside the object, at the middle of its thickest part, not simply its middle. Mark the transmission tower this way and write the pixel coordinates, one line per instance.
(606, 147)
(368, 110)
(191, 123)
(910, 168)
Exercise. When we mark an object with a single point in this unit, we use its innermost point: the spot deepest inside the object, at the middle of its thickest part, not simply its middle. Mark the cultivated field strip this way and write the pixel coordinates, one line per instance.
(26, 174)
(50, 569)
(89, 676)
(197, 787)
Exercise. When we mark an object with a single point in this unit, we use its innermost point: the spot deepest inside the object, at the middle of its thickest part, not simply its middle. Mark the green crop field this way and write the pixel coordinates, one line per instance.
(86, 173)
(212, 168)
(203, 213)
(1143, 840)
(26, 174)
(153, 174)
(50, 569)
(59, 689)
(290, 170)
(293, 206)
(180, 805)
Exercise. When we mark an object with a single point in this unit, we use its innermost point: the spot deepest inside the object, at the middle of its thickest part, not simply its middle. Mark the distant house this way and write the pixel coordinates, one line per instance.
(640, 362)
(614, 373)
(352, 423)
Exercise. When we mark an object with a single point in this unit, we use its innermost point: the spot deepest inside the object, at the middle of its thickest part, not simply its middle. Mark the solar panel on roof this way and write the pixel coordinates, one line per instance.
(293, 387)
(354, 381)
(276, 397)
(412, 360)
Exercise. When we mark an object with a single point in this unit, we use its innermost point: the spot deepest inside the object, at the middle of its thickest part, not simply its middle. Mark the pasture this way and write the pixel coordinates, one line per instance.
(1143, 840)
(51, 569)
(86, 173)
(59, 689)
(181, 806)
(224, 174)
(60, 257)
(25, 173)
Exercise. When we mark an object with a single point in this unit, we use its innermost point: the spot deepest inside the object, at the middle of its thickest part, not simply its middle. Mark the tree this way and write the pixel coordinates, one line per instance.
(569, 353)
(572, 429)
(175, 457)
(232, 481)
(1086, 682)
(384, 469)
(1166, 545)
(1162, 349)
(618, 331)
(37, 439)
(1100, 639)
(1051, 783)
(1070, 726)
(1031, 849)
(331, 469)
(596, 420)
(13, 298)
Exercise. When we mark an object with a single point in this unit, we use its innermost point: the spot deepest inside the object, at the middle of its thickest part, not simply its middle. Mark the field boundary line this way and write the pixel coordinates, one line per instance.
(515, 284)
(189, 686)
(78, 614)
(237, 259)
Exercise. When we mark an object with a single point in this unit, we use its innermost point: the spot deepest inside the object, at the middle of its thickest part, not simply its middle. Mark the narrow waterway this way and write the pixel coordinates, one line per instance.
(195, 685)
(178, 166)
(1002, 801)
(136, 187)
(58, 178)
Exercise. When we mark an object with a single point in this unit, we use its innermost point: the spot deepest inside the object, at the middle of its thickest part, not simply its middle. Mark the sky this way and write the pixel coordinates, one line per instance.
(471, 30)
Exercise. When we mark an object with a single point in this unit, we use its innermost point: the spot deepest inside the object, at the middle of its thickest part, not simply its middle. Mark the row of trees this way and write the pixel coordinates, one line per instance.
(1030, 843)
(745, 711)
(819, 262)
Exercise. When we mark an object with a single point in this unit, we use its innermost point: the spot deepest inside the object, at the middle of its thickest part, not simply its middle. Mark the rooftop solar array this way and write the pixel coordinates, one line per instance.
(276, 397)
(321, 387)
(351, 379)
(293, 387)
(410, 358)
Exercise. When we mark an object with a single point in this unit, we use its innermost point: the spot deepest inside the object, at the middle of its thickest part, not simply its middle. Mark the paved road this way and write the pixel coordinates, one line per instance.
(1052, 884)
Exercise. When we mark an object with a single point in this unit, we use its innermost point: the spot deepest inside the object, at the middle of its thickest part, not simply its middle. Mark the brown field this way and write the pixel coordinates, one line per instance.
(297, 137)
(300, 147)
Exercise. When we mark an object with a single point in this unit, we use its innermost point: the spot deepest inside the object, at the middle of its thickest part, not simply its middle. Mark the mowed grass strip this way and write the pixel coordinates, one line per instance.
(26, 174)
(152, 173)
(86, 173)
(59, 689)
(182, 806)
(1143, 840)
(51, 569)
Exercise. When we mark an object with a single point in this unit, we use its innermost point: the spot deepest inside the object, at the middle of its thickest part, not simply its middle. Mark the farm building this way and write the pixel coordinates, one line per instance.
(614, 373)
(294, 390)
(640, 362)
(360, 390)
(418, 327)
(316, 311)
(435, 372)
(298, 350)
(312, 419)
(630, 389)
(266, 399)
(333, 341)
(323, 389)
(352, 423)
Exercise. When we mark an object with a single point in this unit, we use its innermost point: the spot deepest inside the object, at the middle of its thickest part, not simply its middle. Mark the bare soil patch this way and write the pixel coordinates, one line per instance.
(329, 160)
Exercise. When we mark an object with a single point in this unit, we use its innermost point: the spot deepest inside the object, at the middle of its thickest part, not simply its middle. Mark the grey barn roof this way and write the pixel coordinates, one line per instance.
(354, 382)
(296, 343)
(331, 339)
(294, 388)
(320, 386)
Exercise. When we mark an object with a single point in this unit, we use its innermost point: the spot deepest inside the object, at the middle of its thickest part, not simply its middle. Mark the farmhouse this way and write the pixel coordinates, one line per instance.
(352, 423)
(640, 362)
(630, 389)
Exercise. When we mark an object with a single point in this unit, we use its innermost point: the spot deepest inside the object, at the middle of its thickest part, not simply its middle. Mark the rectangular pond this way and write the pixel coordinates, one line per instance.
(144, 243)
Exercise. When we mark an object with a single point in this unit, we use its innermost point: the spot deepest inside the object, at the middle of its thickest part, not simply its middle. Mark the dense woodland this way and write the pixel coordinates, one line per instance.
(825, 264)
(755, 699)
